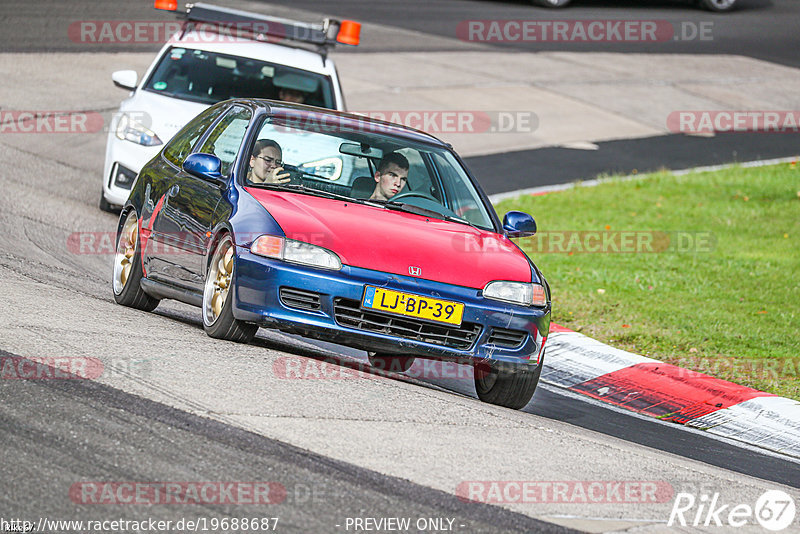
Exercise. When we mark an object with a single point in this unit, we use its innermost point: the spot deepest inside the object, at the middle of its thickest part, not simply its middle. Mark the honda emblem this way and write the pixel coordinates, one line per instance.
(414, 271)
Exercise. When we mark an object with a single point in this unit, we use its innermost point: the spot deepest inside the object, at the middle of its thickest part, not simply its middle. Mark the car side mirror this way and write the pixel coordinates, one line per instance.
(125, 79)
(519, 224)
(205, 166)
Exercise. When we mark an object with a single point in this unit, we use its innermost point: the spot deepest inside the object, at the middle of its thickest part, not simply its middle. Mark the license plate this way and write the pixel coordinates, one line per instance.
(410, 305)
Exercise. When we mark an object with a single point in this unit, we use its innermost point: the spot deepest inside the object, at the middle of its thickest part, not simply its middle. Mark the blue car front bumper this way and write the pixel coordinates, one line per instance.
(326, 305)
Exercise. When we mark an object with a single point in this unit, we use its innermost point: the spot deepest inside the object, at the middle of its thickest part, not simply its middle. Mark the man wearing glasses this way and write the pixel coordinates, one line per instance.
(266, 166)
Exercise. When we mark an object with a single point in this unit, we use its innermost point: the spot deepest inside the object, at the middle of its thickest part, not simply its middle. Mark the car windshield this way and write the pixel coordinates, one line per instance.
(210, 77)
(342, 162)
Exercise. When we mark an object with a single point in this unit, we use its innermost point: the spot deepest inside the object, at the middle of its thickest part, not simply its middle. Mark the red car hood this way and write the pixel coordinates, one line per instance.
(397, 242)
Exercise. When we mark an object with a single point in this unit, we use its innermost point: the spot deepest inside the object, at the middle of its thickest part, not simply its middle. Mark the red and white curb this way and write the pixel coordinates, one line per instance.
(583, 365)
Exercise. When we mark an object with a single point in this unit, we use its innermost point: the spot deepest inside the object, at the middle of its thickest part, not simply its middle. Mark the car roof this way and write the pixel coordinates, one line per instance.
(348, 121)
(271, 52)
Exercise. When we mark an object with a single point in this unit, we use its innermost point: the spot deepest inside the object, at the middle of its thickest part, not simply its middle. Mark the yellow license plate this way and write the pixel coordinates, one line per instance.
(410, 305)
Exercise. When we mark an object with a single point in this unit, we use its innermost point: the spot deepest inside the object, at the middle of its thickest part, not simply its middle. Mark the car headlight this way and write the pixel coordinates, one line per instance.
(131, 130)
(293, 251)
(522, 293)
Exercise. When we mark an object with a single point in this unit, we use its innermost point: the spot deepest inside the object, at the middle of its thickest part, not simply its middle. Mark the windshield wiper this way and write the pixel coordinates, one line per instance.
(455, 218)
(298, 188)
(408, 208)
(411, 208)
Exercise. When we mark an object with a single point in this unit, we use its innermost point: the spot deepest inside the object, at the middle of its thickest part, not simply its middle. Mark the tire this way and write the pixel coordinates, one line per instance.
(719, 6)
(504, 385)
(552, 3)
(393, 363)
(127, 273)
(217, 308)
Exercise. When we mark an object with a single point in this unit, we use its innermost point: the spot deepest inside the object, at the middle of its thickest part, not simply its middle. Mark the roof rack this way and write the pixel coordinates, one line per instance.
(265, 28)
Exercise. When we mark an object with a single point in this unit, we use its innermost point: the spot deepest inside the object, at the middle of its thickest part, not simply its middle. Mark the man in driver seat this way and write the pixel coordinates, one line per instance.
(292, 95)
(391, 176)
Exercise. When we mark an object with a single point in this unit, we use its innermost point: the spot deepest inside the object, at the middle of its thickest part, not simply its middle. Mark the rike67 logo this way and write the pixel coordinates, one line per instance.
(774, 510)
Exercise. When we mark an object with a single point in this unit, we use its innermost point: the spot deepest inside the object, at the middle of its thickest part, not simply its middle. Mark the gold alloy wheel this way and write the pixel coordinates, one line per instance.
(126, 250)
(218, 281)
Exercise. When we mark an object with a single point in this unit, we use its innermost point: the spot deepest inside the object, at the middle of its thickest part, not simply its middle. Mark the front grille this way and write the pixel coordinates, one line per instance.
(503, 337)
(349, 313)
(300, 298)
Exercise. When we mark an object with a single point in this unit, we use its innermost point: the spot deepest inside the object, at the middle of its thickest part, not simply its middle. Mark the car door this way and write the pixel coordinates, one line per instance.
(196, 199)
(167, 251)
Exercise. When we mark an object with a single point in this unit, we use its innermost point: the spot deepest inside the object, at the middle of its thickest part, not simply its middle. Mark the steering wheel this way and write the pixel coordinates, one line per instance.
(410, 194)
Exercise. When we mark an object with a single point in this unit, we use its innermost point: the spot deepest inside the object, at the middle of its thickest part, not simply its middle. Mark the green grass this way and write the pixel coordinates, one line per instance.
(732, 312)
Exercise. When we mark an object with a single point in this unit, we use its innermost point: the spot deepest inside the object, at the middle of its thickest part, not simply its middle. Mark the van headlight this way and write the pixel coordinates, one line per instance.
(132, 130)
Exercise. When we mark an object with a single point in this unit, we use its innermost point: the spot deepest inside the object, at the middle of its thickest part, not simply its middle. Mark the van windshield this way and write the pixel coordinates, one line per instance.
(210, 77)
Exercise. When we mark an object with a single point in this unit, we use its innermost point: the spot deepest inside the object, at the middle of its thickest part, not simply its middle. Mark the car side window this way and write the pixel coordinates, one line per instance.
(181, 145)
(461, 196)
(226, 139)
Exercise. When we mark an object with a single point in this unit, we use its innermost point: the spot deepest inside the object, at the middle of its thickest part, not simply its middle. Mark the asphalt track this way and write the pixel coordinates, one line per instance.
(763, 29)
(556, 404)
(58, 432)
(558, 165)
(56, 429)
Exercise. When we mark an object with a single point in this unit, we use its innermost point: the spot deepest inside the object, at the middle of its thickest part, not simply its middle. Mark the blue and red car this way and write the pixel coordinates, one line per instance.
(423, 269)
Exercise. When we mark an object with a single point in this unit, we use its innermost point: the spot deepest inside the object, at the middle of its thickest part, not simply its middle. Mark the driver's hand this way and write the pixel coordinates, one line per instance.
(278, 176)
